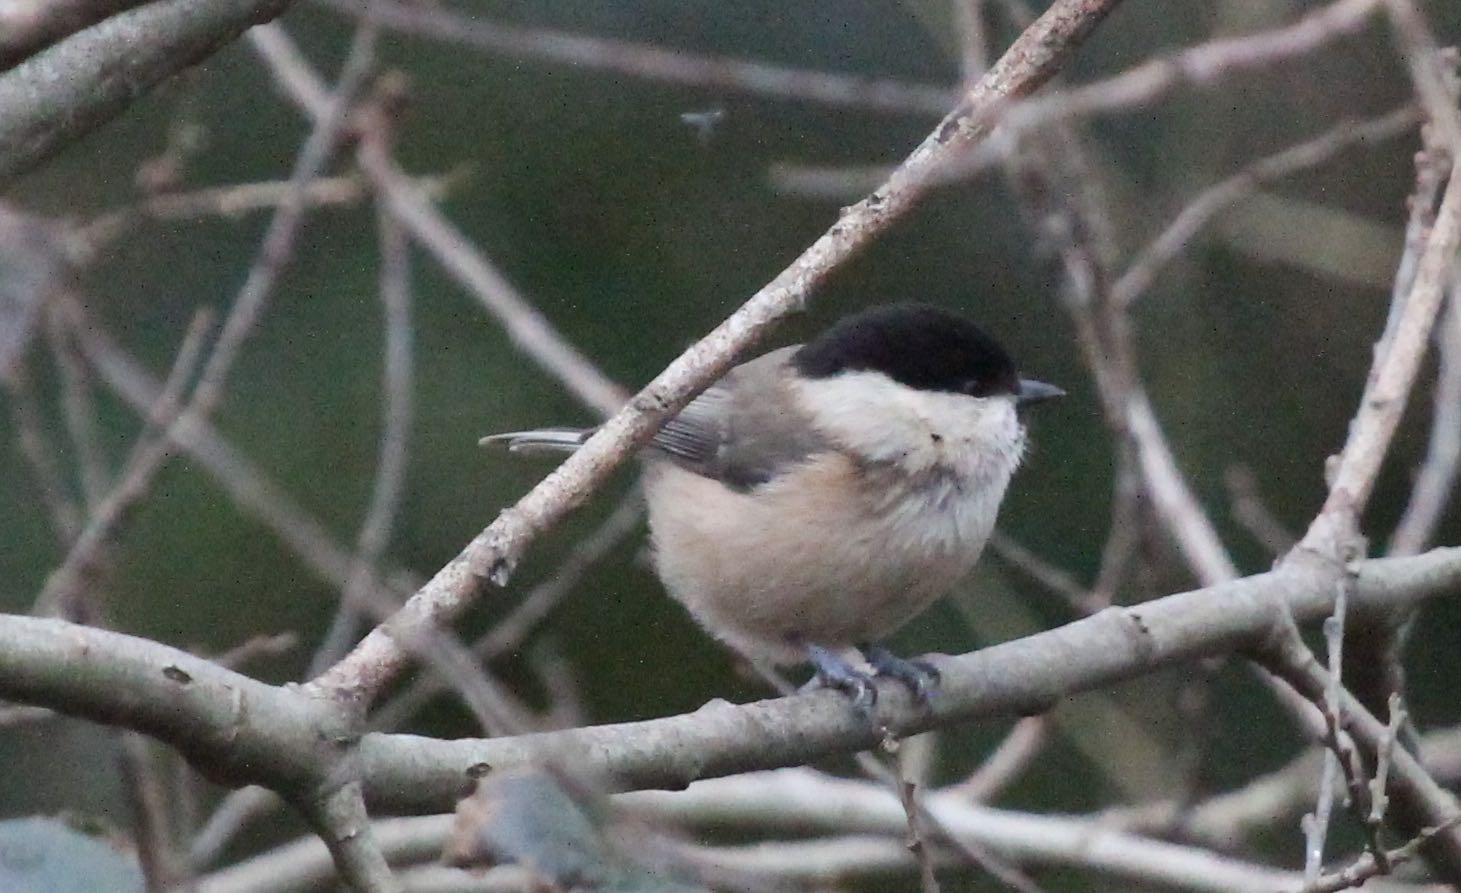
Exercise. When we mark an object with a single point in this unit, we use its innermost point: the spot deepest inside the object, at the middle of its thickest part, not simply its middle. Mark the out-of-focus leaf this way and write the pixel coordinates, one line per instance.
(44, 855)
(557, 829)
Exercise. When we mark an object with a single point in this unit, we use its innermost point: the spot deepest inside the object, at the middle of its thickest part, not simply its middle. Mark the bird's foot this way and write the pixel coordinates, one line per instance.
(920, 676)
(834, 672)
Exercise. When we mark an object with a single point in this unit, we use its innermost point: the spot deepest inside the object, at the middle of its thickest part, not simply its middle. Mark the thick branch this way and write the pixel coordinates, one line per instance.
(26, 28)
(244, 731)
(233, 727)
(85, 80)
(1024, 676)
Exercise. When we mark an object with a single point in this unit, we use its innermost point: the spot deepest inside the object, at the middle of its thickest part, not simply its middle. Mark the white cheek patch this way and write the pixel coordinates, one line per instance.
(881, 421)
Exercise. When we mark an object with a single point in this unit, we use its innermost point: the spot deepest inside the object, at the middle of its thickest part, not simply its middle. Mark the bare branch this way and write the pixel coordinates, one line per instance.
(1389, 385)
(340, 819)
(67, 582)
(162, 866)
(1288, 659)
(26, 27)
(529, 329)
(799, 798)
(1215, 199)
(513, 629)
(33, 443)
(1436, 480)
(1370, 865)
(586, 53)
(1199, 66)
(493, 553)
(199, 706)
(69, 89)
(1023, 676)
(233, 201)
(1018, 749)
(397, 385)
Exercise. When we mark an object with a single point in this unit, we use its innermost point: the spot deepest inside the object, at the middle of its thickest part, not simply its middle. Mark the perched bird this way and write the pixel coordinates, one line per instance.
(818, 497)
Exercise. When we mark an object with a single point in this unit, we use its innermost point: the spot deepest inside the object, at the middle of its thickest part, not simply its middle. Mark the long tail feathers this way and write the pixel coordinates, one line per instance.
(543, 440)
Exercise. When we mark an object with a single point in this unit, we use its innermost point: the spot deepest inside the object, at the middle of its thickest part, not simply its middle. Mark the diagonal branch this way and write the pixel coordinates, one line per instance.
(1389, 385)
(1035, 57)
(56, 96)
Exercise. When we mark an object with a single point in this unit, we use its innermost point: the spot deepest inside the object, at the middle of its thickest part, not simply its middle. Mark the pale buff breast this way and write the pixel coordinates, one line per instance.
(758, 569)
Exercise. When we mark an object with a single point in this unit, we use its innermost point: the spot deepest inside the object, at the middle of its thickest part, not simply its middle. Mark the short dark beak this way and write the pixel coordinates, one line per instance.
(1032, 391)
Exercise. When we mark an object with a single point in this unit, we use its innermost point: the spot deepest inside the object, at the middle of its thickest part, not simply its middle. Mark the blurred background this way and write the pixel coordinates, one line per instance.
(635, 233)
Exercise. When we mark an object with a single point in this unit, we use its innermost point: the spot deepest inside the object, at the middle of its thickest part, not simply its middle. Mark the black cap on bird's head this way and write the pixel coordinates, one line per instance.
(923, 347)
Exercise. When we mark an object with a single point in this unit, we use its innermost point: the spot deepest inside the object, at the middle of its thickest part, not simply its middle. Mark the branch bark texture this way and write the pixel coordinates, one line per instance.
(242, 731)
(71, 88)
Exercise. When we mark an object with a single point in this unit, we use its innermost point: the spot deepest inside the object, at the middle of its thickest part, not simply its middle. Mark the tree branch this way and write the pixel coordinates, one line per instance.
(1020, 677)
(1033, 59)
(56, 96)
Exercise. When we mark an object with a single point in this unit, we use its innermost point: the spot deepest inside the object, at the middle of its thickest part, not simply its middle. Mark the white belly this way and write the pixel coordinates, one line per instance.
(762, 570)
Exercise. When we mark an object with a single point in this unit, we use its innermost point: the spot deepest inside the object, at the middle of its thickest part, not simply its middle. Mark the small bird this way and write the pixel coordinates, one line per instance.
(817, 498)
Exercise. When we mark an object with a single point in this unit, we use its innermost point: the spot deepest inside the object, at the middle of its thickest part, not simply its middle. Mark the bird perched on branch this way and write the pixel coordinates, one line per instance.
(818, 497)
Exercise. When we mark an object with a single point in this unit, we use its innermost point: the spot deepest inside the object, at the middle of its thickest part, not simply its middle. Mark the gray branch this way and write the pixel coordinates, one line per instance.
(243, 731)
(59, 94)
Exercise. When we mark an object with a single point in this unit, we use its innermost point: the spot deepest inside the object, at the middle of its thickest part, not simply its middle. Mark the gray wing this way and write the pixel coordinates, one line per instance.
(743, 430)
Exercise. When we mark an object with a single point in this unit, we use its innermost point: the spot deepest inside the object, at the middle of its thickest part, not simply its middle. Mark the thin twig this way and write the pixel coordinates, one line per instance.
(279, 238)
(73, 576)
(1379, 800)
(1057, 580)
(1123, 537)
(162, 865)
(1018, 749)
(232, 815)
(78, 409)
(918, 817)
(1209, 203)
(917, 845)
(257, 647)
(513, 629)
(397, 384)
(1201, 66)
(528, 328)
(1288, 658)
(1369, 866)
(1434, 86)
(1389, 386)
(586, 53)
(1436, 479)
(233, 201)
(1253, 514)
(34, 445)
